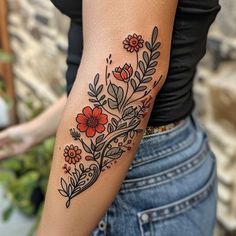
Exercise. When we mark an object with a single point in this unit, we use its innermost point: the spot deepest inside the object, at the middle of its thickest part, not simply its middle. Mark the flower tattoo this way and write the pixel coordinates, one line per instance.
(72, 154)
(105, 128)
(91, 121)
(133, 43)
(124, 73)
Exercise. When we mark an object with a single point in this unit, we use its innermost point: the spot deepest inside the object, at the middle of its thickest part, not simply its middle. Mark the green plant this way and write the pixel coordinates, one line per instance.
(5, 57)
(25, 178)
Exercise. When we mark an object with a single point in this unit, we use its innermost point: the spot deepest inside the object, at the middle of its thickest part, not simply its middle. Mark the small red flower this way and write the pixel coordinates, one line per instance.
(124, 73)
(72, 154)
(66, 169)
(91, 121)
(133, 43)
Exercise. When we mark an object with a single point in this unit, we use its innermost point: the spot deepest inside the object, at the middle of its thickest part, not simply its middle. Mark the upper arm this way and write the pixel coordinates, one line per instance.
(107, 109)
(107, 23)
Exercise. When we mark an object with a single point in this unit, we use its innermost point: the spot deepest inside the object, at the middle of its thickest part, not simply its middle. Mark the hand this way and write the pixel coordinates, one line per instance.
(17, 140)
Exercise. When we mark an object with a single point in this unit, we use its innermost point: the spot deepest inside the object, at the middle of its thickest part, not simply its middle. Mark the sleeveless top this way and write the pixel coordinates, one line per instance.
(192, 21)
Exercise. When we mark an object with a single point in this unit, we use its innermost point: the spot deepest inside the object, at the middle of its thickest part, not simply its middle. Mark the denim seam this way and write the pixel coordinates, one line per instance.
(163, 152)
(179, 206)
(188, 166)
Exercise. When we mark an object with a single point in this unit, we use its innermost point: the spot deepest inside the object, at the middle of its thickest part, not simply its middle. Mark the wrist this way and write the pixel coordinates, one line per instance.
(36, 131)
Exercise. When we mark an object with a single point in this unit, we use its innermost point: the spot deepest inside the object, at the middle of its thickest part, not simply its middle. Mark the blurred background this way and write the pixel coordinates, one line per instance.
(33, 45)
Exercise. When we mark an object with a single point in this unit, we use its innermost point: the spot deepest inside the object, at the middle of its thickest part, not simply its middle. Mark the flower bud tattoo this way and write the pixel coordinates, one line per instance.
(105, 128)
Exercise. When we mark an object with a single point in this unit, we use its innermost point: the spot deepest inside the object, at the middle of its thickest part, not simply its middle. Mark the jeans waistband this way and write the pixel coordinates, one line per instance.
(161, 144)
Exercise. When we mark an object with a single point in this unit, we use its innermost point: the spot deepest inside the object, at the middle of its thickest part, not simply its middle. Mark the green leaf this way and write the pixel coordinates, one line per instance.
(96, 78)
(91, 88)
(112, 90)
(146, 80)
(99, 90)
(112, 104)
(86, 148)
(133, 84)
(100, 137)
(142, 66)
(129, 113)
(156, 46)
(148, 45)
(91, 94)
(120, 95)
(92, 145)
(7, 213)
(6, 177)
(99, 147)
(153, 64)
(155, 55)
(117, 93)
(5, 57)
(137, 75)
(141, 88)
(150, 72)
(146, 57)
(154, 34)
(114, 153)
(93, 100)
(97, 155)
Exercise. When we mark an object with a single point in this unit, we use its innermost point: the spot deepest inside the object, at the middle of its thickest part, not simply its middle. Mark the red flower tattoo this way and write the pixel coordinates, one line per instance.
(66, 169)
(123, 73)
(133, 43)
(72, 154)
(91, 121)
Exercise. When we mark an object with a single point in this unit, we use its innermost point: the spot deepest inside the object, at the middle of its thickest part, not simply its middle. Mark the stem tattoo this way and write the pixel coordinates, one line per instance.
(113, 117)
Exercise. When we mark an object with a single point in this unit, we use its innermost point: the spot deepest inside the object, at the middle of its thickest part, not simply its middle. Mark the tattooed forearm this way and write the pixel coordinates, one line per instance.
(105, 128)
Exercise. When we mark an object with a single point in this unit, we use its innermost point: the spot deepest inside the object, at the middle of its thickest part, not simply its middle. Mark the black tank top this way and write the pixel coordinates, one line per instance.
(175, 100)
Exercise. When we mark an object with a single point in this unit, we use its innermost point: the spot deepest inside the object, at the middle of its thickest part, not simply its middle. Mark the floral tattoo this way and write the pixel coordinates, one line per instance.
(104, 129)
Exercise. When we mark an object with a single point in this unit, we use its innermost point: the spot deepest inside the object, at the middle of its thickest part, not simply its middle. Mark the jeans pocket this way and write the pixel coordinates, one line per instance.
(192, 215)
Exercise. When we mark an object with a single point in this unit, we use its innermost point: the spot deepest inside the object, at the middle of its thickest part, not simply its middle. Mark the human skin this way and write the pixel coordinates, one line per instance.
(73, 206)
(20, 138)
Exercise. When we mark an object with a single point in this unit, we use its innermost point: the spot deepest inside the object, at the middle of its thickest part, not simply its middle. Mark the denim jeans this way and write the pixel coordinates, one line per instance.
(170, 188)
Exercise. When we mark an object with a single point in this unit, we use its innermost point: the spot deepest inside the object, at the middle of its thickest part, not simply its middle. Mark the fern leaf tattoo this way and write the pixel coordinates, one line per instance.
(112, 118)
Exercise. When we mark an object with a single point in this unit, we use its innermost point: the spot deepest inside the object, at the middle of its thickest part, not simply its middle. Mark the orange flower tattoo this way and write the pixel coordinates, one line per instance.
(124, 73)
(72, 154)
(91, 121)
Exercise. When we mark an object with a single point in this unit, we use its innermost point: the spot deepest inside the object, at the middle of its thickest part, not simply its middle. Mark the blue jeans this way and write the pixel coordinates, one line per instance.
(170, 188)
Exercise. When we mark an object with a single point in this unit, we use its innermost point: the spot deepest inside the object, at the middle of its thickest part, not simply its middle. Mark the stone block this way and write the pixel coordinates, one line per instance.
(223, 98)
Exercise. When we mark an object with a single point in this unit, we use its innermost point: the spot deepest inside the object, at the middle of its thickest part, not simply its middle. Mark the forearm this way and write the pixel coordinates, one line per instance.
(46, 124)
(104, 119)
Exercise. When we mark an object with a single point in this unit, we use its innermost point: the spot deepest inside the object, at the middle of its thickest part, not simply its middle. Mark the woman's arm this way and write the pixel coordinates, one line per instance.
(20, 138)
(124, 65)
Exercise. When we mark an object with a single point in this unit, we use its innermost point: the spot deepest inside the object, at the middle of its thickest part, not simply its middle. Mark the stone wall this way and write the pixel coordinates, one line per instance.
(215, 91)
(39, 43)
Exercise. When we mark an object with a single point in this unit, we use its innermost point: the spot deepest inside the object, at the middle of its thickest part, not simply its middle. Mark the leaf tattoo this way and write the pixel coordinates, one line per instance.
(112, 120)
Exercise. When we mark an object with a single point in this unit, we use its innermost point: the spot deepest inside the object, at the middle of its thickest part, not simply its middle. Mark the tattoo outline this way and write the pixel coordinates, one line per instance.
(126, 106)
